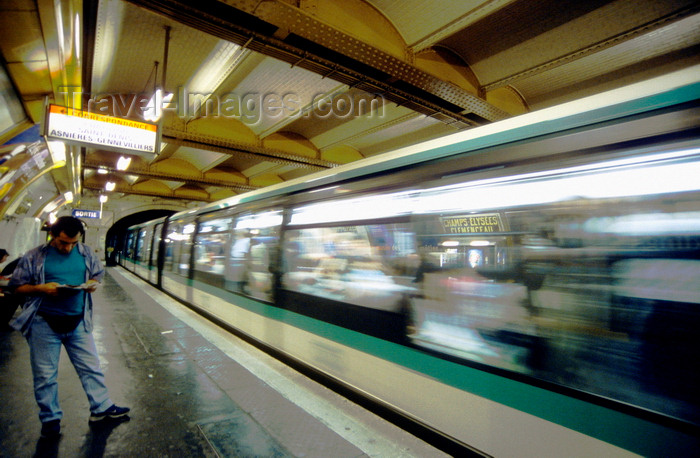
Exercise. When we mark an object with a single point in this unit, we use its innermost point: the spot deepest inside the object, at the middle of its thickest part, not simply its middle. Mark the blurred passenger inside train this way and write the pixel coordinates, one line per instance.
(355, 264)
(237, 274)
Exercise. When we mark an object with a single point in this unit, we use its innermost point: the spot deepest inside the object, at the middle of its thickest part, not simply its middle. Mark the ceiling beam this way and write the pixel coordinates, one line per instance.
(145, 173)
(242, 150)
(329, 52)
(663, 21)
(128, 190)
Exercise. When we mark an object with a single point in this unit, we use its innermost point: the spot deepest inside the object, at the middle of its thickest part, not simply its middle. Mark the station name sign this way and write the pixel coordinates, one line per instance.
(86, 213)
(472, 224)
(100, 131)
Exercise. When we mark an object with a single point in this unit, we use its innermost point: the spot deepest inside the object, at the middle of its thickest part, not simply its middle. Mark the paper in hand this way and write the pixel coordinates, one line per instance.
(83, 286)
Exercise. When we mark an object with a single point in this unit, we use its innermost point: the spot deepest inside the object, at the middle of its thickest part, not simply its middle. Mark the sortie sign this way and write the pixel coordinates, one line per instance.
(86, 213)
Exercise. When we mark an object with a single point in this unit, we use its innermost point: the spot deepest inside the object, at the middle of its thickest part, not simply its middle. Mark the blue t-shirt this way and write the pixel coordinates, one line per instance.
(66, 269)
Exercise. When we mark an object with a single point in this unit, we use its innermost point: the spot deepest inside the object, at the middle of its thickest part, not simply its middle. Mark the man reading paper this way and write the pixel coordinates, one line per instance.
(53, 316)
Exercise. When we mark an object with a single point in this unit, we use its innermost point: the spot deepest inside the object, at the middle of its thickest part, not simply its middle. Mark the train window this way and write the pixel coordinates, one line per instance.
(210, 249)
(130, 244)
(252, 251)
(142, 246)
(178, 244)
(371, 265)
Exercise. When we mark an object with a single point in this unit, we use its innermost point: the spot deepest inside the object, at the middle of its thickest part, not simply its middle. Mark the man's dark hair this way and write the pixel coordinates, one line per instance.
(3, 253)
(68, 225)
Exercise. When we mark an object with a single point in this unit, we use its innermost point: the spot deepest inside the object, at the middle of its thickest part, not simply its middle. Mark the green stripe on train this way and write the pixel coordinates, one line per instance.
(626, 431)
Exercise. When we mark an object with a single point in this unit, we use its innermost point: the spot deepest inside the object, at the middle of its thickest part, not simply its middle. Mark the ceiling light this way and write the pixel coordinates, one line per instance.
(103, 198)
(51, 206)
(154, 108)
(123, 163)
(69, 196)
(76, 38)
(102, 171)
(159, 101)
(222, 60)
(110, 186)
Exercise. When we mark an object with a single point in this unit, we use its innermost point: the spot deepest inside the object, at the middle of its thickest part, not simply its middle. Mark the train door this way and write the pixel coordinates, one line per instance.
(210, 248)
(129, 247)
(154, 261)
(177, 261)
(141, 252)
(468, 306)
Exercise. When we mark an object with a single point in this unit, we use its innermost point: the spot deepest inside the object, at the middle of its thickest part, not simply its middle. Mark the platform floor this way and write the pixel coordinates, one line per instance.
(194, 390)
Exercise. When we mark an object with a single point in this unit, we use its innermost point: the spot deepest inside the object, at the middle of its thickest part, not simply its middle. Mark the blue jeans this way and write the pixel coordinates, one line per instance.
(45, 350)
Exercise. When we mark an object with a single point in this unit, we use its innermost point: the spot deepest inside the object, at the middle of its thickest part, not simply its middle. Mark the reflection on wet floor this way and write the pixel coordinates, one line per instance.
(188, 397)
(165, 391)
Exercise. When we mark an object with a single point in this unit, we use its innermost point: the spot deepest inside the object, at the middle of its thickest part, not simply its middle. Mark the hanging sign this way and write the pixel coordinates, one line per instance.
(100, 131)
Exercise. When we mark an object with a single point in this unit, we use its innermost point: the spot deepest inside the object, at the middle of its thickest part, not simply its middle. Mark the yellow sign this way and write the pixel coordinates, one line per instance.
(472, 224)
(96, 130)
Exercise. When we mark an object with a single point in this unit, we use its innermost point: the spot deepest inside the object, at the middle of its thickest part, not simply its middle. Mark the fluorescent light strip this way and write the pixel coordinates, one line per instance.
(638, 160)
(260, 221)
(368, 207)
(599, 181)
(640, 181)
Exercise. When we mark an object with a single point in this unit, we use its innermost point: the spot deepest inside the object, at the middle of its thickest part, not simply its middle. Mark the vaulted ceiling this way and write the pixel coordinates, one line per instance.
(269, 90)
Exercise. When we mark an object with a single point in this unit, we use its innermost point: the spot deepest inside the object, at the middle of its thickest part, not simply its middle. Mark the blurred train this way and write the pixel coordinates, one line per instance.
(527, 288)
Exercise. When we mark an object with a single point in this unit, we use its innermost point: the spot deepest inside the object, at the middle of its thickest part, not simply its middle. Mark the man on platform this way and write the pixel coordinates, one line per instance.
(57, 279)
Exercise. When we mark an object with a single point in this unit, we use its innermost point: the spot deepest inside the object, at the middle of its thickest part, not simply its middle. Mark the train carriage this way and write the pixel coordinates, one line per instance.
(525, 288)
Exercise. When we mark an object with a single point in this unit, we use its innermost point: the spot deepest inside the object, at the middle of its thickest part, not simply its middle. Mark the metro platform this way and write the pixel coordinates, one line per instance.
(193, 388)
